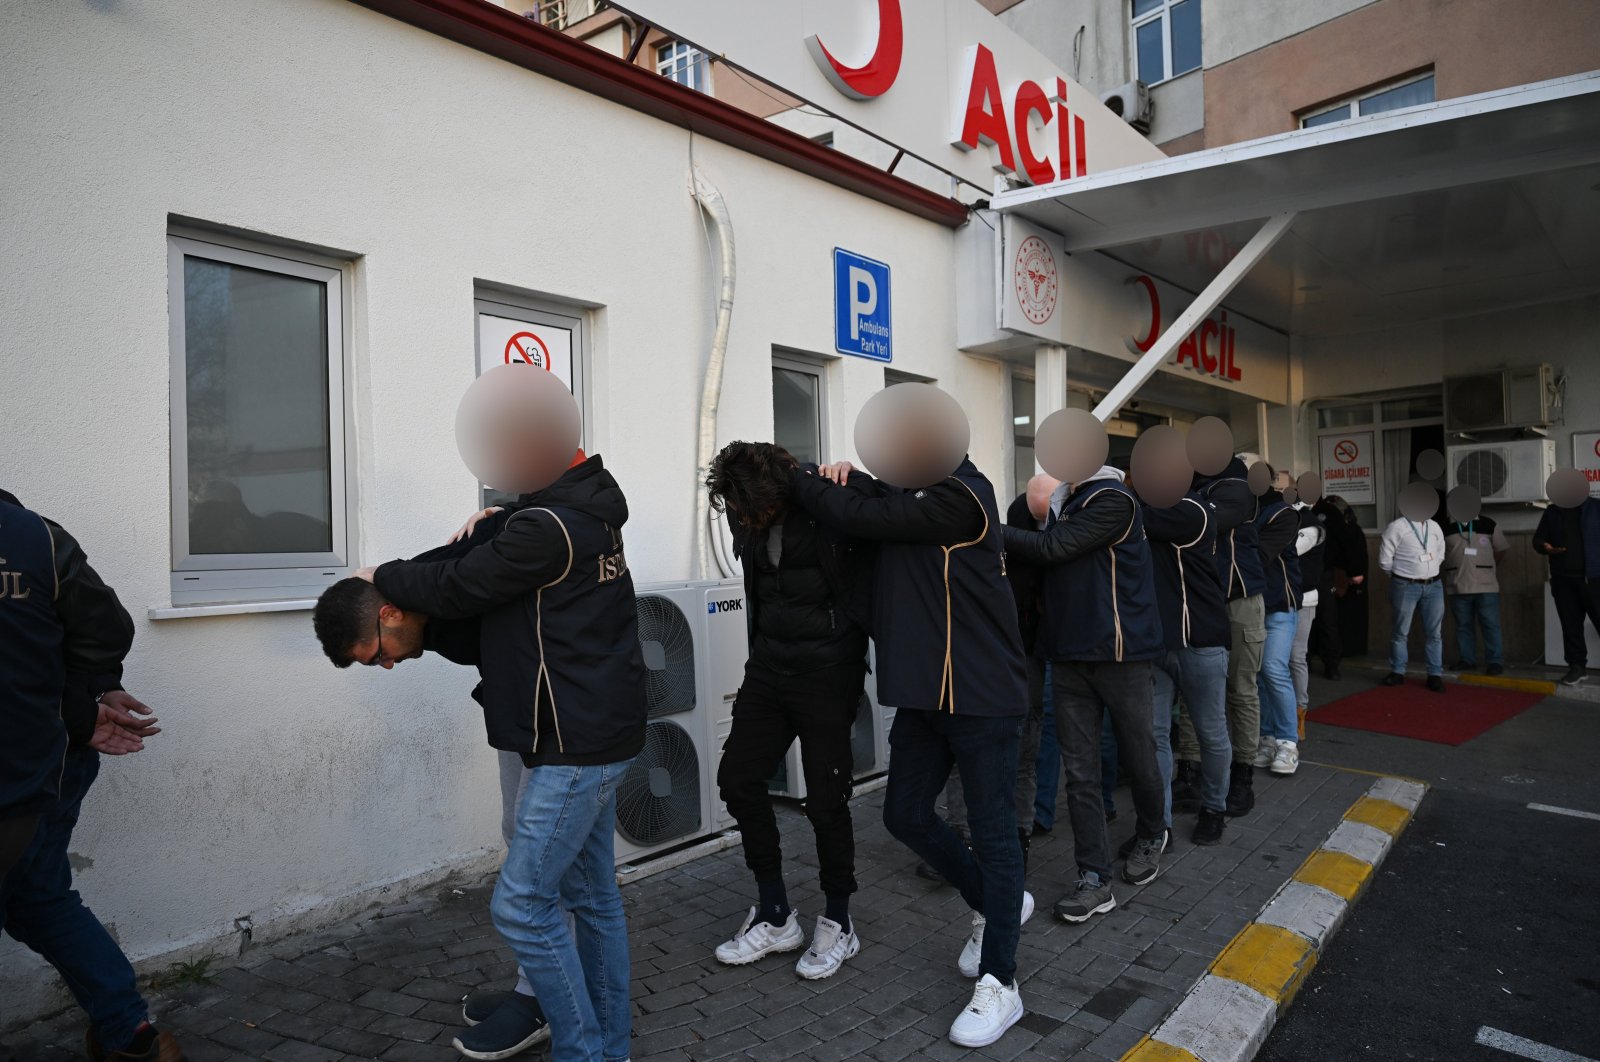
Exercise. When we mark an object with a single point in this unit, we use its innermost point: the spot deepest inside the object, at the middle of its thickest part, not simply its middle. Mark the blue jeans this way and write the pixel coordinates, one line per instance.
(1403, 601)
(562, 856)
(1275, 681)
(1486, 609)
(1201, 676)
(925, 745)
(41, 909)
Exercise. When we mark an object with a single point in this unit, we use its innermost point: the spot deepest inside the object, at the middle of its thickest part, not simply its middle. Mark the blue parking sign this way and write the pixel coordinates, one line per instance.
(861, 306)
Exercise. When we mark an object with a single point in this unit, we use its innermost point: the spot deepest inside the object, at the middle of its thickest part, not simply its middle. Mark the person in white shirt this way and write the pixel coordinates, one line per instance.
(1411, 552)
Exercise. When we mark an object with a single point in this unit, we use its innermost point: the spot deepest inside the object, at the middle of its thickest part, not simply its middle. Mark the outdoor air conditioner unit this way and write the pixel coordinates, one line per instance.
(1131, 103)
(869, 744)
(693, 639)
(1502, 398)
(1504, 472)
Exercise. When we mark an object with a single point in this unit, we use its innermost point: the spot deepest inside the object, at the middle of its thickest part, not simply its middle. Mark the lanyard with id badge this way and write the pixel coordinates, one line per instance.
(1422, 540)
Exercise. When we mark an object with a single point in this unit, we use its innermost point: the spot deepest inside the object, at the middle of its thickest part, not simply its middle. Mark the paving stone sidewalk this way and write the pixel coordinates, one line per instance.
(388, 987)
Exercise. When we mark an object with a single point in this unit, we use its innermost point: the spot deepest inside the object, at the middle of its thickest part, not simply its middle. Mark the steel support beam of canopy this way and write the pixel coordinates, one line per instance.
(1208, 299)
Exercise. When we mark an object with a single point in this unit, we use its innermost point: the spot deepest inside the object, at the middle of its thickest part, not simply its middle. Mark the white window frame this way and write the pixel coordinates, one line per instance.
(1161, 13)
(1384, 493)
(1354, 102)
(217, 578)
(675, 57)
(818, 368)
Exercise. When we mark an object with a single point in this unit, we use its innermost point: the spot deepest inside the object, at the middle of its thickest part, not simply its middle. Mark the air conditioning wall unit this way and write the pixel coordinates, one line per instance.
(1131, 103)
(869, 745)
(1504, 472)
(1500, 398)
(693, 640)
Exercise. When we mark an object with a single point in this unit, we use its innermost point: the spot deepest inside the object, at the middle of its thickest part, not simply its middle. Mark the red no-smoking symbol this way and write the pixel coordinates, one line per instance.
(1345, 451)
(528, 349)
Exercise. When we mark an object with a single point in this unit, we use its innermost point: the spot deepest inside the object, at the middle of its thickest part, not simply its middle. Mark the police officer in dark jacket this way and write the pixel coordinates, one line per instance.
(563, 686)
(63, 636)
(1194, 624)
(1101, 633)
(1238, 561)
(806, 604)
(949, 658)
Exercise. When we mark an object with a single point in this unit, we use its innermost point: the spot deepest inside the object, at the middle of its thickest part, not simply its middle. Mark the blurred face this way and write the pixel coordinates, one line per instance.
(395, 637)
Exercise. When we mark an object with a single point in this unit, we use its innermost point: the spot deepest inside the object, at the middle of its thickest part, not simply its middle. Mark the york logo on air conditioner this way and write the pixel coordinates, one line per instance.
(732, 604)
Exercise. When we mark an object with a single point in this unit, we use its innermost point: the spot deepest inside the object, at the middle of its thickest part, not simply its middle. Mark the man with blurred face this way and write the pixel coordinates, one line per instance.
(950, 661)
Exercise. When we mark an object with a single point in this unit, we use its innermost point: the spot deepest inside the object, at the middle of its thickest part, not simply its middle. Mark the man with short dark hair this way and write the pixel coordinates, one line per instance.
(805, 598)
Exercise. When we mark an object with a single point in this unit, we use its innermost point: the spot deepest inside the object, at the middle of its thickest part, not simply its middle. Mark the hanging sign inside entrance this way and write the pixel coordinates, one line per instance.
(1586, 458)
(1347, 467)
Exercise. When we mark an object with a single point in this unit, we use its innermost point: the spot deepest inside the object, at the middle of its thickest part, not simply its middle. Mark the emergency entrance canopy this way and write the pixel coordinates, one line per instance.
(943, 80)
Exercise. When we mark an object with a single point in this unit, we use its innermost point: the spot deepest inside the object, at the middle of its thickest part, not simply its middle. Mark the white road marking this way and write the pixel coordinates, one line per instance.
(1552, 809)
(1516, 1045)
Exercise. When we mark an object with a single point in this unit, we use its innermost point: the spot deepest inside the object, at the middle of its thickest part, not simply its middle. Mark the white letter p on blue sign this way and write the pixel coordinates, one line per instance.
(861, 306)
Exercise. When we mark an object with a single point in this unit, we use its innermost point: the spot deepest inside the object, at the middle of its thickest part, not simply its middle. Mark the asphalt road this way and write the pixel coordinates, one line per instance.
(1486, 913)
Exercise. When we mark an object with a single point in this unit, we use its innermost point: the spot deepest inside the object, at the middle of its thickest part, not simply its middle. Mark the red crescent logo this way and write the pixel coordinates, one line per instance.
(874, 77)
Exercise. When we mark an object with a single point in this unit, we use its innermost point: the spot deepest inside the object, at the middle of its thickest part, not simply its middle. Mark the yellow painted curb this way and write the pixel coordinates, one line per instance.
(1343, 875)
(1385, 815)
(1270, 959)
(1501, 682)
(1148, 1050)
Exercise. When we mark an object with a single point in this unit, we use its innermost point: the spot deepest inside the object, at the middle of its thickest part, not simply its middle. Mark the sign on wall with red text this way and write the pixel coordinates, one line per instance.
(942, 79)
(1347, 467)
(1586, 458)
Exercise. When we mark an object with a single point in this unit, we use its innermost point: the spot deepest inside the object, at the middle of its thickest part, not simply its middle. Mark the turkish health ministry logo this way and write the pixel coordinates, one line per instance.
(1035, 280)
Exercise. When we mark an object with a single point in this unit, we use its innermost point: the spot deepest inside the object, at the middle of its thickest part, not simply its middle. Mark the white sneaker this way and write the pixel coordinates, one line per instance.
(830, 947)
(1266, 752)
(972, 950)
(1286, 759)
(755, 941)
(994, 1009)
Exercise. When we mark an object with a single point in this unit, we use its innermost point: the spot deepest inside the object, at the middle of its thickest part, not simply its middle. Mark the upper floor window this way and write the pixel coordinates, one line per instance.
(1411, 92)
(560, 14)
(685, 64)
(1166, 35)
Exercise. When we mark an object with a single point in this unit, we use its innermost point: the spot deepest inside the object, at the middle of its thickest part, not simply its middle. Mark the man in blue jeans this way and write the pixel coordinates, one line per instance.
(1194, 624)
(559, 635)
(949, 658)
(1277, 527)
(1412, 552)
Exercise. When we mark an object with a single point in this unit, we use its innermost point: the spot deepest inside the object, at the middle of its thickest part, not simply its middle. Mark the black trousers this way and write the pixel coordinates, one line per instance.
(1327, 641)
(771, 711)
(1575, 599)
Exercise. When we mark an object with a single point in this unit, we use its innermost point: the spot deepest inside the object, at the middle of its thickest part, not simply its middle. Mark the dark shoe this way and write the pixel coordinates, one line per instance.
(1241, 790)
(1089, 897)
(1495, 669)
(149, 1045)
(1436, 683)
(516, 1026)
(478, 1006)
(1125, 849)
(1394, 678)
(1039, 828)
(1144, 862)
(1208, 828)
(1332, 673)
(1186, 786)
(1111, 814)
(1573, 676)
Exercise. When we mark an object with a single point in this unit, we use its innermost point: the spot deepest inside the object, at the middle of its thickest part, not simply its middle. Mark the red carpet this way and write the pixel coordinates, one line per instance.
(1453, 717)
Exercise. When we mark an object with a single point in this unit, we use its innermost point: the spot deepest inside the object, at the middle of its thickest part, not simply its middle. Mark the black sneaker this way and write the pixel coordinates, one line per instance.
(1241, 790)
(1089, 897)
(517, 1025)
(1573, 676)
(1436, 683)
(1332, 673)
(1144, 862)
(1186, 786)
(1208, 827)
(1393, 678)
(1040, 828)
(1495, 669)
(1126, 847)
(477, 1006)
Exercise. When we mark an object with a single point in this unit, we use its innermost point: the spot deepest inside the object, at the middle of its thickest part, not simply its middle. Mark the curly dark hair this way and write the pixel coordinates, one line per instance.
(749, 481)
(345, 614)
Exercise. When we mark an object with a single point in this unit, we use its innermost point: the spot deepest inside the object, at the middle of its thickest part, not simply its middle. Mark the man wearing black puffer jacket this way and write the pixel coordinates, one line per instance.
(563, 686)
(805, 597)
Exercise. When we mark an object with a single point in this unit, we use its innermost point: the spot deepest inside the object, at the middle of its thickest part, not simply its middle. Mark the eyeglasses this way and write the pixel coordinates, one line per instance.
(378, 657)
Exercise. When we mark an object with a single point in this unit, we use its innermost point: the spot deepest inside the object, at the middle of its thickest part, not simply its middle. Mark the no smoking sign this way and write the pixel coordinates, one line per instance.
(529, 349)
(1346, 451)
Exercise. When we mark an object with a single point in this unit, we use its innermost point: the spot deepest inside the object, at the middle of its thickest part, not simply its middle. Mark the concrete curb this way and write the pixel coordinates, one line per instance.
(1228, 1013)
